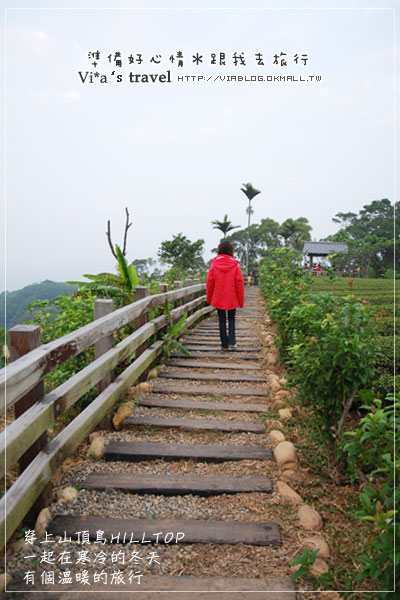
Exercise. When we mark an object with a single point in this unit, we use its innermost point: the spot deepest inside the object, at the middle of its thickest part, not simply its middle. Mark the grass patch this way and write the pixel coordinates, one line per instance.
(270, 413)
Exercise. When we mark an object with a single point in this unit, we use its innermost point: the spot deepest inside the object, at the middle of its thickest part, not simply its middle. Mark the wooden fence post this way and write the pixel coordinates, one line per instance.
(178, 285)
(141, 291)
(189, 297)
(163, 288)
(23, 339)
(103, 307)
(196, 282)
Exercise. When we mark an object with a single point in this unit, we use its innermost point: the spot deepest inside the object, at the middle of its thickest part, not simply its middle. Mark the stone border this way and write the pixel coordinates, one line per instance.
(286, 457)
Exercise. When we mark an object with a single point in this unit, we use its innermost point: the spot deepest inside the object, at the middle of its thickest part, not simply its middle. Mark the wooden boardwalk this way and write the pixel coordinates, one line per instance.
(222, 384)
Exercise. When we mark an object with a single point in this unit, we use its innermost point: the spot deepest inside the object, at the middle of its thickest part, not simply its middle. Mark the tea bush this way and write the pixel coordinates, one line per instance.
(388, 325)
(329, 342)
(284, 284)
(333, 354)
(371, 448)
(385, 360)
(385, 385)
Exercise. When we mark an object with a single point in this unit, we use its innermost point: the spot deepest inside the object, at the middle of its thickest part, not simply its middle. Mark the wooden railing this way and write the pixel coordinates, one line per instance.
(21, 384)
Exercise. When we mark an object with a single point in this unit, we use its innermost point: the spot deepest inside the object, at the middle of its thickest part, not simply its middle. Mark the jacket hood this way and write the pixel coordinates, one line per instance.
(224, 262)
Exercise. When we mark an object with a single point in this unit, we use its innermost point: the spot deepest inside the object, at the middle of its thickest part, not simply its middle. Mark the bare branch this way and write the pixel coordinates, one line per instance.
(127, 225)
(340, 425)
(108, 234)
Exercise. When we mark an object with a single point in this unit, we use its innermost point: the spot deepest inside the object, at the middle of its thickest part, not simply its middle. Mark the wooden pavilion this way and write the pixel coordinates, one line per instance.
(322, 249)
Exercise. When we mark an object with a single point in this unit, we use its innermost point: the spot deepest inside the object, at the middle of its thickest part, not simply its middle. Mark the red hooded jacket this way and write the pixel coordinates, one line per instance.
(225, 287)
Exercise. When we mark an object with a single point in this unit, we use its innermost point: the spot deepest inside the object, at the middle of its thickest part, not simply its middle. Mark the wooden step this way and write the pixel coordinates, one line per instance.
(200, 404)
(242, 318)
(188, 363)
(245, 332)
(215, 337)
(214, 330)
(151, 587)
(221, 352)
(194, 531)
(214, 324)
(212, 354)
(163, 388)
(193, 424)
(178, 485)
(216, 344)
(168, 374)
(136, 451)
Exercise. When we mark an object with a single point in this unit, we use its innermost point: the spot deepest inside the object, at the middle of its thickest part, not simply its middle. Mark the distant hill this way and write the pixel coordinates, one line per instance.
(18, 300)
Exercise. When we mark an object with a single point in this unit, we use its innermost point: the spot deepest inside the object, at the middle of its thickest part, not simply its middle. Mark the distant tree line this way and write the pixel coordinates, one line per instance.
(18, 300)
(368, 234)
(372, 237)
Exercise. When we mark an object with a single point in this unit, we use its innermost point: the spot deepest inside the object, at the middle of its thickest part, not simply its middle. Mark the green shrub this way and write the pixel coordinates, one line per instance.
(284, 284)
(379, 298)
(330, 342)
(385, 385)
(388, 325)
(373, 439)
(372, 448)
(385, 360)
(332, 357)
(58, 317)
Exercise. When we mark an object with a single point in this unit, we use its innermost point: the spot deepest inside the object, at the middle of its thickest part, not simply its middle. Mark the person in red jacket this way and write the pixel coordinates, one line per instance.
(225, 291)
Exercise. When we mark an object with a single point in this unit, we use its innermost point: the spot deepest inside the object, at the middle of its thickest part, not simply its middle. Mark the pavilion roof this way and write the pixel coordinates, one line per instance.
(324, 248)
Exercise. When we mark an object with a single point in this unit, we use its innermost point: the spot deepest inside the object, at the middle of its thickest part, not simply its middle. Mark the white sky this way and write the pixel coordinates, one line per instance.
(177, 154)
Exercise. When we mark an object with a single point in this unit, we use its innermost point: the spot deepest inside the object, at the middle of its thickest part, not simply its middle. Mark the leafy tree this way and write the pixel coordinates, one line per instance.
(225, 226)
(173, 274)
(370, 237)
(181, 252)
(56, 318)
(250, 192)
(262, 237)
(295, 231)
(143, 265)
(19, 299)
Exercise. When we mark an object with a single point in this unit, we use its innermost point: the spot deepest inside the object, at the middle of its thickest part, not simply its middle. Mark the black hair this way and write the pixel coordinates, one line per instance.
(225, 247)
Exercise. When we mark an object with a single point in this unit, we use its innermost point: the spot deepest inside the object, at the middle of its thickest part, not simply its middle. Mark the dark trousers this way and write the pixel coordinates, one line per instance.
(230, 339)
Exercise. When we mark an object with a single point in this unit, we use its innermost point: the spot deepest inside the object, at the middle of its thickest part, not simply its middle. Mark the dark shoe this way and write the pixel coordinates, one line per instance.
(224, 349)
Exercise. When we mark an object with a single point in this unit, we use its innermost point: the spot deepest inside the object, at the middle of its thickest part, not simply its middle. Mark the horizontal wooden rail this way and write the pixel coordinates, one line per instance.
(22, 375)
(30, 484)
(19, 435)
(197, 315)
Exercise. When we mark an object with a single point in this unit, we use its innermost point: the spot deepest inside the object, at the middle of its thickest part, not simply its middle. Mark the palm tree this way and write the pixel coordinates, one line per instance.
(225, 226)
(250, 192)
(296, 229)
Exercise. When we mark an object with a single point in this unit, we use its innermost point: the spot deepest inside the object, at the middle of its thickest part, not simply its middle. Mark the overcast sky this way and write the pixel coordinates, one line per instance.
(176, 154)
